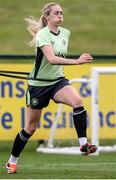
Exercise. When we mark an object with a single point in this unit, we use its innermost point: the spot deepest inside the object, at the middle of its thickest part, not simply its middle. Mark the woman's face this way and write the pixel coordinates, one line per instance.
(56, 15)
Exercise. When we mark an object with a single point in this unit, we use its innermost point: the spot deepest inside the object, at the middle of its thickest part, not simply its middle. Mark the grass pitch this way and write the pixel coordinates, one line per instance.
(44, 166)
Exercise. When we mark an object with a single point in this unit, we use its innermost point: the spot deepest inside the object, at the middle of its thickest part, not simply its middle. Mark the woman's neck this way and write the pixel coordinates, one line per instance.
(53, 28)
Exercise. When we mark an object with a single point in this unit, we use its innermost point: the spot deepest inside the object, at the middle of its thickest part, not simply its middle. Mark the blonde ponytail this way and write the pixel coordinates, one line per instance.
(34, 24)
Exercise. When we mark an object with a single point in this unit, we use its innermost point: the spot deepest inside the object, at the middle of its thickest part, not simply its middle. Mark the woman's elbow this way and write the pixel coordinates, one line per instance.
(51, 60)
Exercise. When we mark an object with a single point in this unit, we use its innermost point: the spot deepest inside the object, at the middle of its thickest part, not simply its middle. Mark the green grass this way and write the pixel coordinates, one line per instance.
(41, 166)
(91, 22)
(33, 165)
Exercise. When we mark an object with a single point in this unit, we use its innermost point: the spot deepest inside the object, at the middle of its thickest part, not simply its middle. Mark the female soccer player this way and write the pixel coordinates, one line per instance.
(47, 80)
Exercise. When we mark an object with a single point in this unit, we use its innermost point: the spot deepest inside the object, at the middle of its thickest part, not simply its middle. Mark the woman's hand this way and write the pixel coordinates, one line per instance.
(84, 58)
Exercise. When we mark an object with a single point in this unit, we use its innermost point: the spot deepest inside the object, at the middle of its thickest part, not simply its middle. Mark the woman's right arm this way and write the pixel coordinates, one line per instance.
(50, 56)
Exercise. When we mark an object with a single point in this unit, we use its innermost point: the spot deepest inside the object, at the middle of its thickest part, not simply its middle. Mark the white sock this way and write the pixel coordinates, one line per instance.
(13, 159)
(82, 141)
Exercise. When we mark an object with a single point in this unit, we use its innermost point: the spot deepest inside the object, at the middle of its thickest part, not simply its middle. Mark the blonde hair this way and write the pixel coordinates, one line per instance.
(34, 24)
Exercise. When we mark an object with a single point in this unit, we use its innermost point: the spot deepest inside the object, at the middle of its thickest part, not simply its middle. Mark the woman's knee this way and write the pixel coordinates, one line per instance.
(30, 129)
(77, 102)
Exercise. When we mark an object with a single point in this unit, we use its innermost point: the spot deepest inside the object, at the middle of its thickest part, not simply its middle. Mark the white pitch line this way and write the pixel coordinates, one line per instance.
(63, 164)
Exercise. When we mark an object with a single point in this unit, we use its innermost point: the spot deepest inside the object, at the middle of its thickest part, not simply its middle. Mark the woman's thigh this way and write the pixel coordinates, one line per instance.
(68, 95)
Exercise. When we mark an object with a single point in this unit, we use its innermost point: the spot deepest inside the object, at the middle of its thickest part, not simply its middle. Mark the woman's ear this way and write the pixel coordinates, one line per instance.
(46, 17)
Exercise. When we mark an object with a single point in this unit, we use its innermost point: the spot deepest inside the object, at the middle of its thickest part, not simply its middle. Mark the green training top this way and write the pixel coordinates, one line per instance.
(44, 73)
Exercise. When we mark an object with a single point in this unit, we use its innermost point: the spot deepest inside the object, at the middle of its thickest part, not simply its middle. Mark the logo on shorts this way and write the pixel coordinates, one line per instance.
(34, 102)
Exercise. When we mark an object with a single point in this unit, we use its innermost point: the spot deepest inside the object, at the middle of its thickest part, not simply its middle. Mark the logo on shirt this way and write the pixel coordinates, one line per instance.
(52, 42)
(61, 55)
(64, 42)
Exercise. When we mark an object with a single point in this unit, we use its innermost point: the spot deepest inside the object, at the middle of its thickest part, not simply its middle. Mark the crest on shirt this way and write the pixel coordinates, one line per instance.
(64, 42)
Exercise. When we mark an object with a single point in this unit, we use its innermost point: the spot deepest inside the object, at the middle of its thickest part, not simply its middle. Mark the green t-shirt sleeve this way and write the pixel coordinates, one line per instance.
(42, 39)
